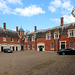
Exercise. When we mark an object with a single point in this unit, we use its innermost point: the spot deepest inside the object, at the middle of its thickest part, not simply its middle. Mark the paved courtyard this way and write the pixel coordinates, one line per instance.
(36, 63)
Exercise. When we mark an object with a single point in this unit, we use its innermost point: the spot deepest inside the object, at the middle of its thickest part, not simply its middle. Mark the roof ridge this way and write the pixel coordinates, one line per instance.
(53, 28)
(8, 30)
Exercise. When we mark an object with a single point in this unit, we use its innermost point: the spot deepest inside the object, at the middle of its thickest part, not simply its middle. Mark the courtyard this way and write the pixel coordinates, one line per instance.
(36, 63)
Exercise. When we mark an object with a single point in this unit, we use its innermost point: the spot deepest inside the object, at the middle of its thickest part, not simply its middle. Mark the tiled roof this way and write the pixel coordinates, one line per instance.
(63, 30)
(21, 29)
(8, 33)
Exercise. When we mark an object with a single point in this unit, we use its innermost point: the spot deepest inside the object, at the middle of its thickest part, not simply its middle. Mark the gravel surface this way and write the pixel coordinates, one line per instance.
(36, 63)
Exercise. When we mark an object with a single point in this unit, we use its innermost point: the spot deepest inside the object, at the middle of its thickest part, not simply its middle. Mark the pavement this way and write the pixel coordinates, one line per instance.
(36, 63)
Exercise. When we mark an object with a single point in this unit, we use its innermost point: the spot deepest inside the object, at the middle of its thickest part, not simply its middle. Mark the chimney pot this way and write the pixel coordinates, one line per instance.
(35, 28)
(16, 28)
(61, 21)
(4, 25)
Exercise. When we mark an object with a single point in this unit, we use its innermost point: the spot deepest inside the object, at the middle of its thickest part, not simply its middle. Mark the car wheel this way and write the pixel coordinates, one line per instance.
(63, 53)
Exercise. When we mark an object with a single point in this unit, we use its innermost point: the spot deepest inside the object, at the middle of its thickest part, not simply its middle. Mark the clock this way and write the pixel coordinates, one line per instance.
(73, 12)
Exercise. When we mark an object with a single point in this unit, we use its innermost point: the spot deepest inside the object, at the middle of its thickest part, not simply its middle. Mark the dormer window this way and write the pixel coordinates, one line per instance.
(48, 36)
(4, 39)
(56, 35)
(33, 38)
(71, 33)
(11, 39)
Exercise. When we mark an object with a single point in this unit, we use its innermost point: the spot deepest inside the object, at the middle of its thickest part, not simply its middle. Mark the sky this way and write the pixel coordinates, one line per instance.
(41, 13)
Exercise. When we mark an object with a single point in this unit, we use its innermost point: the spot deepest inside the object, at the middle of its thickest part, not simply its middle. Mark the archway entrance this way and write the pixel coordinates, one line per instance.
(1, 49)
(41, 47)
(21, 47)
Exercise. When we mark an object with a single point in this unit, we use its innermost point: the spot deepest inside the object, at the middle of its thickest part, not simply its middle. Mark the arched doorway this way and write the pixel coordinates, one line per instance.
(21, 47)
(41, 47)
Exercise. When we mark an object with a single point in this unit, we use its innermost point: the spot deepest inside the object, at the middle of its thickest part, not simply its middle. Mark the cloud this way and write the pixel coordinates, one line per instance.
(3, 7)
(52, 9)
(68, 18)
(56, 3)
(57, 20)
(29, 11)
(15, 2)
(63, 5)
(67, 5)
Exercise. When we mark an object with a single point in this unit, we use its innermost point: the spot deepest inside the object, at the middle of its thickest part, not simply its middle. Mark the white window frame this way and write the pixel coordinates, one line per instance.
(28, 47)
(18, 40)
(65, 44)
(12, 39)
(26, 39)
(70, 45)
(47, 34)
(33, 47)
(51, 46)
(55, 35)
(4, 39)
(33, 39)
(69, 31)
(25, 47)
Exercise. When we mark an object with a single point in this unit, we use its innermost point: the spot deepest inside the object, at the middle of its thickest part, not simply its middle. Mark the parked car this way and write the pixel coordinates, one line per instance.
(7, 51)
(66, 51)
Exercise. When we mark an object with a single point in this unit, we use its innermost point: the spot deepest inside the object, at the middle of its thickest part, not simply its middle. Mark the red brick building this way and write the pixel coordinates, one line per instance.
(11, 39)
(51, 39)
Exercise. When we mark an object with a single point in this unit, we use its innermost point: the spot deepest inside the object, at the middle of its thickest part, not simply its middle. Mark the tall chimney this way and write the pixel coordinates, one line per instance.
(35, 28)
(16, 28)
(61, 21)
(4, 26)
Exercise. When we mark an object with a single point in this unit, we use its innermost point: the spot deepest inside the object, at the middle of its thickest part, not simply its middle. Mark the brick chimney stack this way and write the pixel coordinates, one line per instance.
(35, 28)
(61, 21)
(4, 26)
(16, 28)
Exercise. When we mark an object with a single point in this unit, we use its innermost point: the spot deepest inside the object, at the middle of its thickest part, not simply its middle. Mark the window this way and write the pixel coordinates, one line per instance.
(21, 33)
(18, 47)
(33, 39)
(17, 40)
(33, 46)
(4, 39)
(24, 46)
(26, 39)
(11, 39)
(71, 45)
(71, 33)
(28, 46)
(52, 46)
(56, 35)
(48, 36)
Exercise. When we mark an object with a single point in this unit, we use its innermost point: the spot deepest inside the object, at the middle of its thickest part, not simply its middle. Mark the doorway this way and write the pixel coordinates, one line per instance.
(40, 48)
(16, 48)
(63, 45)
(2, 49)
(21, 47)
(13, 48)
